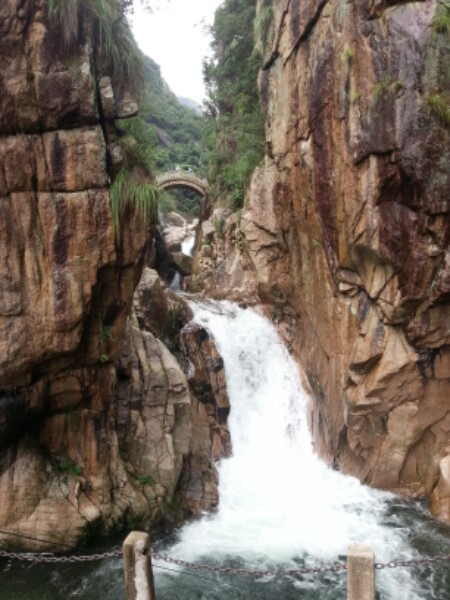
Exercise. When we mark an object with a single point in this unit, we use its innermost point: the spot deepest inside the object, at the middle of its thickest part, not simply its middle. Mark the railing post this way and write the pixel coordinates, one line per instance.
(360, 573)
(137, 562)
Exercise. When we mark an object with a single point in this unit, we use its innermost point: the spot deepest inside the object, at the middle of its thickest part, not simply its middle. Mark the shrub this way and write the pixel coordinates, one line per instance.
(237, 124)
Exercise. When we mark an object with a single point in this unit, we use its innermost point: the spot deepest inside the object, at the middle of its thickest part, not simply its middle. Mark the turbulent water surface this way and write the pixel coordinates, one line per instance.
(280, 506)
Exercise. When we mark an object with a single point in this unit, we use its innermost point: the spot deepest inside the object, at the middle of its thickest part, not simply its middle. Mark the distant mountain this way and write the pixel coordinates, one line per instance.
(189, 103)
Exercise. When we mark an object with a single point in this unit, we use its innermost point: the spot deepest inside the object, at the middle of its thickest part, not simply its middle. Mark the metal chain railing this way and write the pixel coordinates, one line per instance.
(413, 562)
(255, 572)
(47, 557)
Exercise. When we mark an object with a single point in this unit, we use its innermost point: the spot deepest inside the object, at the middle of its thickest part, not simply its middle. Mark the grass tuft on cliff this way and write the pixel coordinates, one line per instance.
(441, 23)
(387, 85)
(133, 188)
(439, 107)
(131, 191)
(115, 45)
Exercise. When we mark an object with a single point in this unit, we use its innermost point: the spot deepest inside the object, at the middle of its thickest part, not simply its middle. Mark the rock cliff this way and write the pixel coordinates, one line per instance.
(345, 232)
(96, 416)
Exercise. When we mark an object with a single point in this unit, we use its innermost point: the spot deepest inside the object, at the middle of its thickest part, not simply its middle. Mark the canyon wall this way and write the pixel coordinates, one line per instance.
(344, 236)
(96, 415)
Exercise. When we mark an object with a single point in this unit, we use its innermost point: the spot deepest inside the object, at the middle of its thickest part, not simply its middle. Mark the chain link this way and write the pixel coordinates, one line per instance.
(413, 562)
(47, 557)
(254, 572)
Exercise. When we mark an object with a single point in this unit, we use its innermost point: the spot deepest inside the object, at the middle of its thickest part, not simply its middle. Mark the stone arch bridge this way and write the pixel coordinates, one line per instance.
(183, 179)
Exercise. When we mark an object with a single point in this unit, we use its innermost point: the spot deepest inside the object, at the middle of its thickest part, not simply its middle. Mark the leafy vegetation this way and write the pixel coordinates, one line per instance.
(167, 134)
(69, 467)
(133, 187)
(439, 107)
(347, 54)
(235, 129)
(262, 23)
(146, 480)
(355, 96)
(176, 130)
(106, 333)
(387, 84)
(185, 202)
(131, 191)
(441, 23)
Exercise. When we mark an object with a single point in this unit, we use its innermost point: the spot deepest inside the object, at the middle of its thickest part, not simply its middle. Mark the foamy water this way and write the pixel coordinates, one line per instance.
(278, 502)
(280, 506)
(187, 246)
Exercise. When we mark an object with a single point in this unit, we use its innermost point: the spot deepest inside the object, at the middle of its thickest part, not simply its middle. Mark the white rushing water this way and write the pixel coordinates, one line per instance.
(278, 501)
(187, 245)
(175, 284)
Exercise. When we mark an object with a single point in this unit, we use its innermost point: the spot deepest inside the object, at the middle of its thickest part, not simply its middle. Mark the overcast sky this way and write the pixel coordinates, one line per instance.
(174, 36)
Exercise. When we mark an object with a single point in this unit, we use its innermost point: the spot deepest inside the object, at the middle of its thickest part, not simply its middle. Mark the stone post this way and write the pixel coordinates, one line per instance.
(137, 563)
(360, 573)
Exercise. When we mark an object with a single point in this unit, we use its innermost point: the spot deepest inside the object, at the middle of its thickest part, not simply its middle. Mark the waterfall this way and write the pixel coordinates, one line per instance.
(175, 284)
(187, 246)
(278, 502)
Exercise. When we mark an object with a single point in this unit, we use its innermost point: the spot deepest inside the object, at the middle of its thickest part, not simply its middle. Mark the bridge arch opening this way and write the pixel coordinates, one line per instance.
(189, 192)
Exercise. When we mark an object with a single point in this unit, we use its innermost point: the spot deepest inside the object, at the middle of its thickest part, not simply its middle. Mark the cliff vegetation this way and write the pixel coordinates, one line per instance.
(236, 123)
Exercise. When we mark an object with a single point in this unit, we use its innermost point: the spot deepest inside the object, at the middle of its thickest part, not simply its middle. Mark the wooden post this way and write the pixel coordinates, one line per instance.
(137, 563)
(360, 573)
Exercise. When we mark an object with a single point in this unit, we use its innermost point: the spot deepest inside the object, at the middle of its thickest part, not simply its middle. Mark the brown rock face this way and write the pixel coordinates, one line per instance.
(346, 229)
(203, 418)
(211, 440)
(65, 287)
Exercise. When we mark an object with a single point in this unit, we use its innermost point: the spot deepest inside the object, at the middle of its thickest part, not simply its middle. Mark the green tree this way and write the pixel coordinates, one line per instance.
(233, 100)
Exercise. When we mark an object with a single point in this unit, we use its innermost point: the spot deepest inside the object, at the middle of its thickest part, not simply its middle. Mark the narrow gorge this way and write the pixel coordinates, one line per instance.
(114, 400)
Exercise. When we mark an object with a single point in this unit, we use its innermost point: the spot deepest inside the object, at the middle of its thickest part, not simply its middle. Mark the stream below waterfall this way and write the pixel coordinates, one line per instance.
(280, 506)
